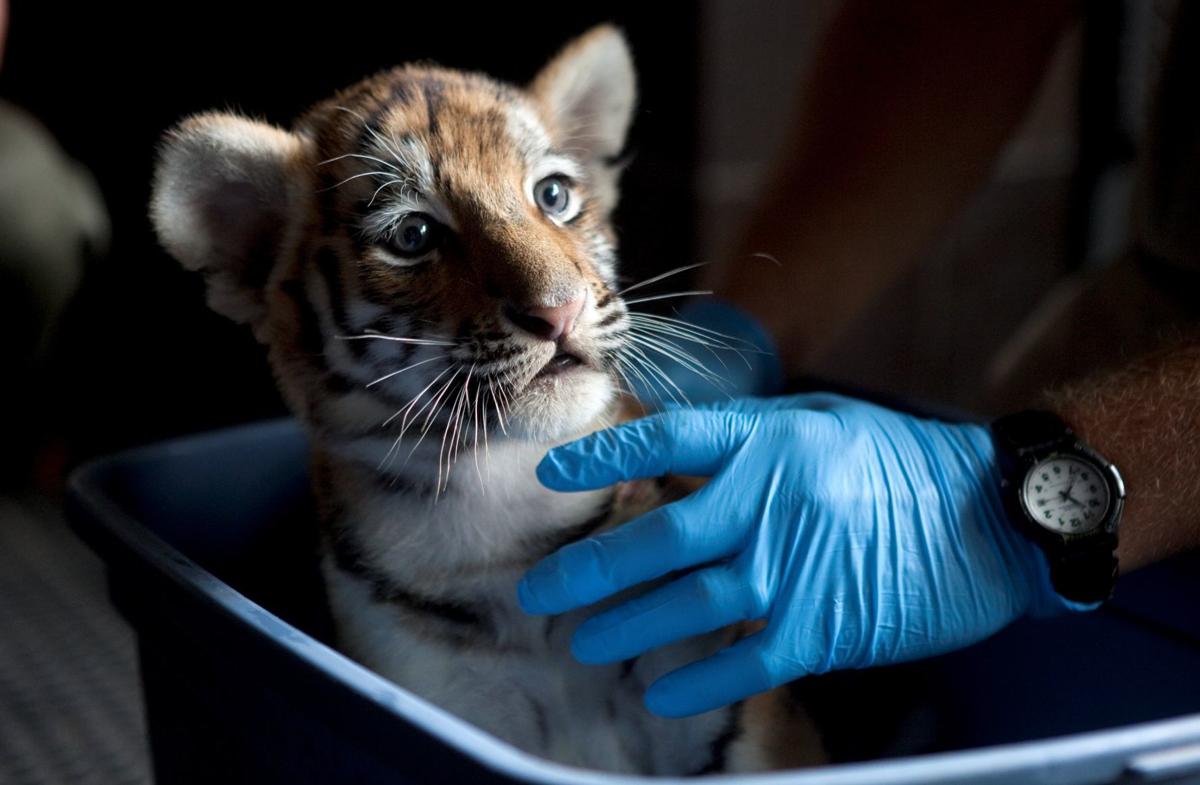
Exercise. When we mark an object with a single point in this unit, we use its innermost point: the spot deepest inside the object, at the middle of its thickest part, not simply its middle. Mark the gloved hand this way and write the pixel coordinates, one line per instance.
(862, 537)
(733, 352)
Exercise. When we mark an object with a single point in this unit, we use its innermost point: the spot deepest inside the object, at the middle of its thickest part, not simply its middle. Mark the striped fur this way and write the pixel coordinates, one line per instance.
(428, 404)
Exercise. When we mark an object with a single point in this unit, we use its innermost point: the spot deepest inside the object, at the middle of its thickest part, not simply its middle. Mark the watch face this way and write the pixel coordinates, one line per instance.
(1065, 494)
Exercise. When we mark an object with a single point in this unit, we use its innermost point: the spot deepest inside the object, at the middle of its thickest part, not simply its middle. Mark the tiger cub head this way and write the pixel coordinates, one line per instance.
(428, 250)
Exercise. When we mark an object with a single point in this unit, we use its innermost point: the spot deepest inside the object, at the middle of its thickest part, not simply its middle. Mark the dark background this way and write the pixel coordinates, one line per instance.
(138, 356)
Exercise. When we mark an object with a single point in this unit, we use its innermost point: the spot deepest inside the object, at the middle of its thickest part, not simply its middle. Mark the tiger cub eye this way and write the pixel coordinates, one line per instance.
(414, 236)
(552, 195)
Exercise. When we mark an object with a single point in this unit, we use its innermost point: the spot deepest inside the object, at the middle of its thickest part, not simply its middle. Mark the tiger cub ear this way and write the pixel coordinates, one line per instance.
(587, 94)
(224, 189)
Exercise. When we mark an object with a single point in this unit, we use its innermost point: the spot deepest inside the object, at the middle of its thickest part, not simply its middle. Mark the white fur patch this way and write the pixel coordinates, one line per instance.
(223, 192)
(526, 688)
(404, 171)
(590, 90)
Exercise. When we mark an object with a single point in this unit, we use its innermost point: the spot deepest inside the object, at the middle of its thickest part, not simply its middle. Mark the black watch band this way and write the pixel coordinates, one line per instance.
(1030, 434)
(1086, 575)
(1083, 568)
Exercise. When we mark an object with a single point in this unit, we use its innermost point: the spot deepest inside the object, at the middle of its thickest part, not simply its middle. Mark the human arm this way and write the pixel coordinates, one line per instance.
(860, 535)
(1145, 418)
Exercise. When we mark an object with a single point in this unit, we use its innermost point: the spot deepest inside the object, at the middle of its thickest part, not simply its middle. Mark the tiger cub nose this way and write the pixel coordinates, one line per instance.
(547, 322)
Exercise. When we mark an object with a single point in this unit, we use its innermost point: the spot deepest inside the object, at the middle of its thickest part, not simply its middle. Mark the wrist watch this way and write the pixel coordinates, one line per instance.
(1064, 496)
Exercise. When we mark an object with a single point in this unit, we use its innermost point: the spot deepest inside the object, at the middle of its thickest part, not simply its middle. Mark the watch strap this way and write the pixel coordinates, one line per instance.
(1087, 574)
(1030, 433)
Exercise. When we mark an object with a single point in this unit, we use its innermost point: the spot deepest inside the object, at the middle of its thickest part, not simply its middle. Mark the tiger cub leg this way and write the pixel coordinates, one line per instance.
(775, 733)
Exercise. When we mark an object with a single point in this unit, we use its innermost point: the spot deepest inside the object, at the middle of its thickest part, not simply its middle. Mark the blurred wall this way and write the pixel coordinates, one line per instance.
(948, 327)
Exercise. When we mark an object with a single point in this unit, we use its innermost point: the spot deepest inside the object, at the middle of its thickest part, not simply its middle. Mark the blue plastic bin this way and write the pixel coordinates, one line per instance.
(209, 547)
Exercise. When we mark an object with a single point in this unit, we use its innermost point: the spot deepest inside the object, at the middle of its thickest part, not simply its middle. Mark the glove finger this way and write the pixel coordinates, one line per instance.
(676, 442)
(730, 675)
(699, 602)
(674, 537)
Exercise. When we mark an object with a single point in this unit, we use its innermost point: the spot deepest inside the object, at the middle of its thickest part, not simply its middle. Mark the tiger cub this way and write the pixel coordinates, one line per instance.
(428, 258)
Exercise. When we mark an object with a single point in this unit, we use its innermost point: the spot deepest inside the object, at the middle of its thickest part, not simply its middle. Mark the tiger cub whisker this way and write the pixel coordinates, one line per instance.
(694, 293)
(360, 156)
(377, 336)
(387, 376)
(685, 268)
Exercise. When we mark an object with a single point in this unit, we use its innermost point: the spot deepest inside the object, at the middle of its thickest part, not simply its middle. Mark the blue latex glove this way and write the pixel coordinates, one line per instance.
(731, 346)
(862, 537)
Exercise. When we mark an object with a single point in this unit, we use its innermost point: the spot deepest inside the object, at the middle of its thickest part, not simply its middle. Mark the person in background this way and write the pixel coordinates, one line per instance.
(863, 536)
(52, 220)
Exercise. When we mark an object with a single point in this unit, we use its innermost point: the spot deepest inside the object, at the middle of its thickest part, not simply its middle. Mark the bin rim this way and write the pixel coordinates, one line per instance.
(106, 527)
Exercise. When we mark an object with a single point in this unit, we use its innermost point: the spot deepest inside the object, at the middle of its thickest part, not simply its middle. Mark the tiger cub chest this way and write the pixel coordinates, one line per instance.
(514, 677)
(416, 604)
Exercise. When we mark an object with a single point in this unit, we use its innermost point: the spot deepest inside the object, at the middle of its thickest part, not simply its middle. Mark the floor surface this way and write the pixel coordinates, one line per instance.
(71, 707)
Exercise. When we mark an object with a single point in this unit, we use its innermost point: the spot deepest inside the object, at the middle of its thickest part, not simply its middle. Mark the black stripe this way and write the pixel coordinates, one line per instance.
(385, 324)
(329, 268)
(547, 545)
(312, 344)
(493, 356)
(401, 91)
(580, 217)
(348, 556)
(718, 750)
(331, 219)
(492, 336)
(451, 611)
(328, 200)
(435, 98)
(371, 125)
(311, 341)
(542, 720)
(466, 329)
(337, 383)
(402, 484)
(611, 317)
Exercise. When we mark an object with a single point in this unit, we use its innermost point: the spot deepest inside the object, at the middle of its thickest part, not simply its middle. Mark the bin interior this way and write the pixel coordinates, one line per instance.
(237, 503)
